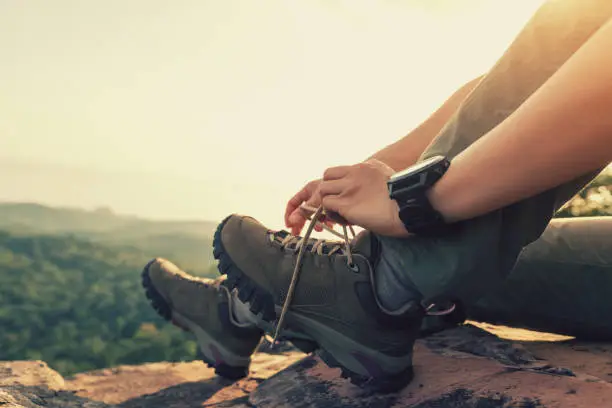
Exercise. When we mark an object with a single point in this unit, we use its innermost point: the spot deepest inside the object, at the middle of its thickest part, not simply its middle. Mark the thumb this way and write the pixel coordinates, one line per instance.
(315, 199)
(335, 209)
(332, 203)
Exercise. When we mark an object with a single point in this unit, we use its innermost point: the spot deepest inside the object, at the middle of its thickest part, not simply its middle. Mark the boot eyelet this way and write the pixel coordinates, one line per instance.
(353, 267)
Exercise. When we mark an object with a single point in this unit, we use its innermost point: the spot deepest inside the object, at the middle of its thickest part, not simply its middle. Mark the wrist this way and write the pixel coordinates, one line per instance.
(435, 197)
(410, 191)
(378, 162)
(445, 200)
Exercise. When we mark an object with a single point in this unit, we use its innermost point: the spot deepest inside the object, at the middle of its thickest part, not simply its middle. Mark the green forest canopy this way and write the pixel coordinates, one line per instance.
(70, 289)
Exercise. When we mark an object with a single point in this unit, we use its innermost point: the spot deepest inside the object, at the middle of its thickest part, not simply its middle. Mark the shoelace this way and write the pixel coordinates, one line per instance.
(318, 246)
(301, 245)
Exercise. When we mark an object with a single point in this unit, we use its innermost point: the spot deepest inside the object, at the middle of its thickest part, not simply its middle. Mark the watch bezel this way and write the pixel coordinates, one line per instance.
(420, 176)
(408, 188)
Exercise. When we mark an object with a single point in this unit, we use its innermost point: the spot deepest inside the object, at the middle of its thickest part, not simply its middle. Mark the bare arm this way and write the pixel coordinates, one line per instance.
(564, 130)
(406, 151)
(401, 154)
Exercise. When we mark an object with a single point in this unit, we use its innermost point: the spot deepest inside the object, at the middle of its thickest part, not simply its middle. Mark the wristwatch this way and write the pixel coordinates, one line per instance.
(409, 187)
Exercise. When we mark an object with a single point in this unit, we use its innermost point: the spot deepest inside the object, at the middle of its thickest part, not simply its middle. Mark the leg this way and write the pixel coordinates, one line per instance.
(470, 263)
(560, 284)
(329, 286)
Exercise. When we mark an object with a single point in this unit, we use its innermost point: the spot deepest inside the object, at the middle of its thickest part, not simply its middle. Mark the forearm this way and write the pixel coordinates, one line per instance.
(406, 151)
(563, 131)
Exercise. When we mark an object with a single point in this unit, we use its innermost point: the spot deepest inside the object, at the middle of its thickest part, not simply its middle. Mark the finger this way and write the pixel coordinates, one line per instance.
(296, 219)
(324, 221)
(313, 202)
(331, 204)
(295, 201)
(310, 207)
(334, 173)
(307, 210)
(333, 187)
(337, 218)
(334, 207)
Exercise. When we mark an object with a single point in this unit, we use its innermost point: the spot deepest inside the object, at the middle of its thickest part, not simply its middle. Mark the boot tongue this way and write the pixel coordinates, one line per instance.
(366, 244)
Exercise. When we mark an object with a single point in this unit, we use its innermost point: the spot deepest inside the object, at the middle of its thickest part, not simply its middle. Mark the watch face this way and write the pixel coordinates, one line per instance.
(417, 167)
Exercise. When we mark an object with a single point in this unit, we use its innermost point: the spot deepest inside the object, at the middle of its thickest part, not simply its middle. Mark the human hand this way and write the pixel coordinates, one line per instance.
(359, 194)
(301, 206)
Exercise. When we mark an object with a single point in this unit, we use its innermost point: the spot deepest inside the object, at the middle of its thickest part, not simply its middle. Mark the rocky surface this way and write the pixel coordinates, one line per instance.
(465, 367)
(32, 384)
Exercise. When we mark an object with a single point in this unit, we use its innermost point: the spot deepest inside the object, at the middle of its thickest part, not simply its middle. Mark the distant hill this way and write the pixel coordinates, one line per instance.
(188, 241)
(70, 285)
(103, 220)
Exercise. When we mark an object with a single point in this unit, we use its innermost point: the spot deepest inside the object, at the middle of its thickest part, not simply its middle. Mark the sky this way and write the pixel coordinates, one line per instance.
(200, 108)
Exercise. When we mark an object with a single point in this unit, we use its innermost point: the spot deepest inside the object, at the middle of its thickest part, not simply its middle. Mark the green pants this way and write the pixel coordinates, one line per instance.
(562, 281)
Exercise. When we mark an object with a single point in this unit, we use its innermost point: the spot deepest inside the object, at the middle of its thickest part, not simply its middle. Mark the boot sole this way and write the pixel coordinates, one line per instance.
(359, 364)
(214, 357)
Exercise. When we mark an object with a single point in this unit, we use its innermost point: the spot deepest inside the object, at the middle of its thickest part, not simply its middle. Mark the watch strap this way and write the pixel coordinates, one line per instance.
(419, 217)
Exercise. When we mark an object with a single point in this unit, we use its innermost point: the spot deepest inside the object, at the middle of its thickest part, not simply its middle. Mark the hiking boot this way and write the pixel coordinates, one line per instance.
(334, 305)
(203, 307)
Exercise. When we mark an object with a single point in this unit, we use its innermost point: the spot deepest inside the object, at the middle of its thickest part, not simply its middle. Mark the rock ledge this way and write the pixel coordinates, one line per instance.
(465, 367)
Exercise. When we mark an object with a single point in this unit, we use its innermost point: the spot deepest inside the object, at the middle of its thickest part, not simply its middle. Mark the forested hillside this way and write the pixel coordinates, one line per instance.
(79, 305)
(70, 289)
